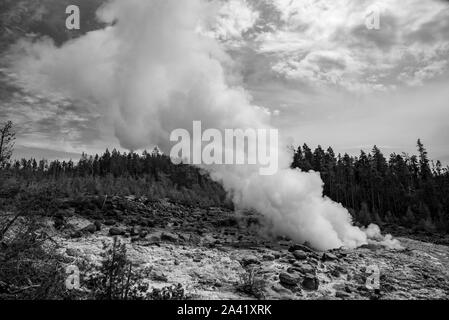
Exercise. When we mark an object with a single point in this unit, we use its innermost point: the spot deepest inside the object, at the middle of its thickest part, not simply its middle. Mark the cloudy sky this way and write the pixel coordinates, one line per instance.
(325, 76)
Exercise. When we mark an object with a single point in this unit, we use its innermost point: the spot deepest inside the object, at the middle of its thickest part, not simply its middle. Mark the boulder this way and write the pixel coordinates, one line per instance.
(289, 279)
(71, 252)
(76, 234)
(143, 233)
(116, 213)
(301, 247)
(304, 268)
(310, 282)
(159, 276)
(268, 257)
(300, 255)
(89, 229)
(281, 292)
(109, 222)
(116, 232)
(249, 260)
(169, 237)
(153, 240)
(134, 231)
(327, 256)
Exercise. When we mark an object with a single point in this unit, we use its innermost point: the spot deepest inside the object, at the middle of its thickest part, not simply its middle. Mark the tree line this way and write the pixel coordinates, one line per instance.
(151, 174)
(408, 190)
(152, 165)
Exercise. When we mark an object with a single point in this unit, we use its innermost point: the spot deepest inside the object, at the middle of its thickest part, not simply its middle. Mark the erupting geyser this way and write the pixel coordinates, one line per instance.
(153, 70)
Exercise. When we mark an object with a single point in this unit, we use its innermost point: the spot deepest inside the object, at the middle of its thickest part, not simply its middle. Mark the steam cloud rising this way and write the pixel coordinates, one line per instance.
(151, 71)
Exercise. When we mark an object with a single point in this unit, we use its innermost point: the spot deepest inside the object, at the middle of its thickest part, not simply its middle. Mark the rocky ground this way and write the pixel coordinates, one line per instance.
(215, 253)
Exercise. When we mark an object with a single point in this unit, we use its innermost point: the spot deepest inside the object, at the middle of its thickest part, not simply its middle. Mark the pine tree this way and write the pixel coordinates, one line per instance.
(7, 138)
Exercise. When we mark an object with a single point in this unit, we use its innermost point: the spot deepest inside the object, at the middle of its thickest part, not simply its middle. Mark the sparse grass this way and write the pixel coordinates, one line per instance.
(252, 283)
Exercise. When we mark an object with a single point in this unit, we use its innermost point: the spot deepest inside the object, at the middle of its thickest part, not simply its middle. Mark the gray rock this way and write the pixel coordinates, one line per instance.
(289, 279)
(134, 231)
(304, 268)
(71, 252)
(301, 247)
(159, 276)
(76, 234)
(300, 255)
(310, 282)
(89, 229)
(143, 233)
(246, 261)
(327, 256)
(135, 238)
(153, 240)
(116, 232)
(280, 289)
(342, 294)
(109, 222)
(169, 237)
(268, 257)
(276, 255)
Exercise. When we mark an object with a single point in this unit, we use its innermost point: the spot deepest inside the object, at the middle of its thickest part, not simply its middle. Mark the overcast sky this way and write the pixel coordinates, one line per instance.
(326, 78)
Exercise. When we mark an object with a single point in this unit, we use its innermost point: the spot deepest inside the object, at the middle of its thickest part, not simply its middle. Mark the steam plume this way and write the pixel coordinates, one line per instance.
(150, 72)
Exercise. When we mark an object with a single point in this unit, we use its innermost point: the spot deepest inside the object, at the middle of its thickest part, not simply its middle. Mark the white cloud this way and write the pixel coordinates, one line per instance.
(411, 36)
(234, 18)
(311, 59)
(418, 76)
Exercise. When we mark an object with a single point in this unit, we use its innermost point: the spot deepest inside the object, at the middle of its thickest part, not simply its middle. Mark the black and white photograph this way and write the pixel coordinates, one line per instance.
(240, 151)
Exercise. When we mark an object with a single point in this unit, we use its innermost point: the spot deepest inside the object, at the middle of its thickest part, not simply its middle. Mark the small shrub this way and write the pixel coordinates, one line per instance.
(174, 292)
(116, 279)
(28, 269)
(252, 283)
